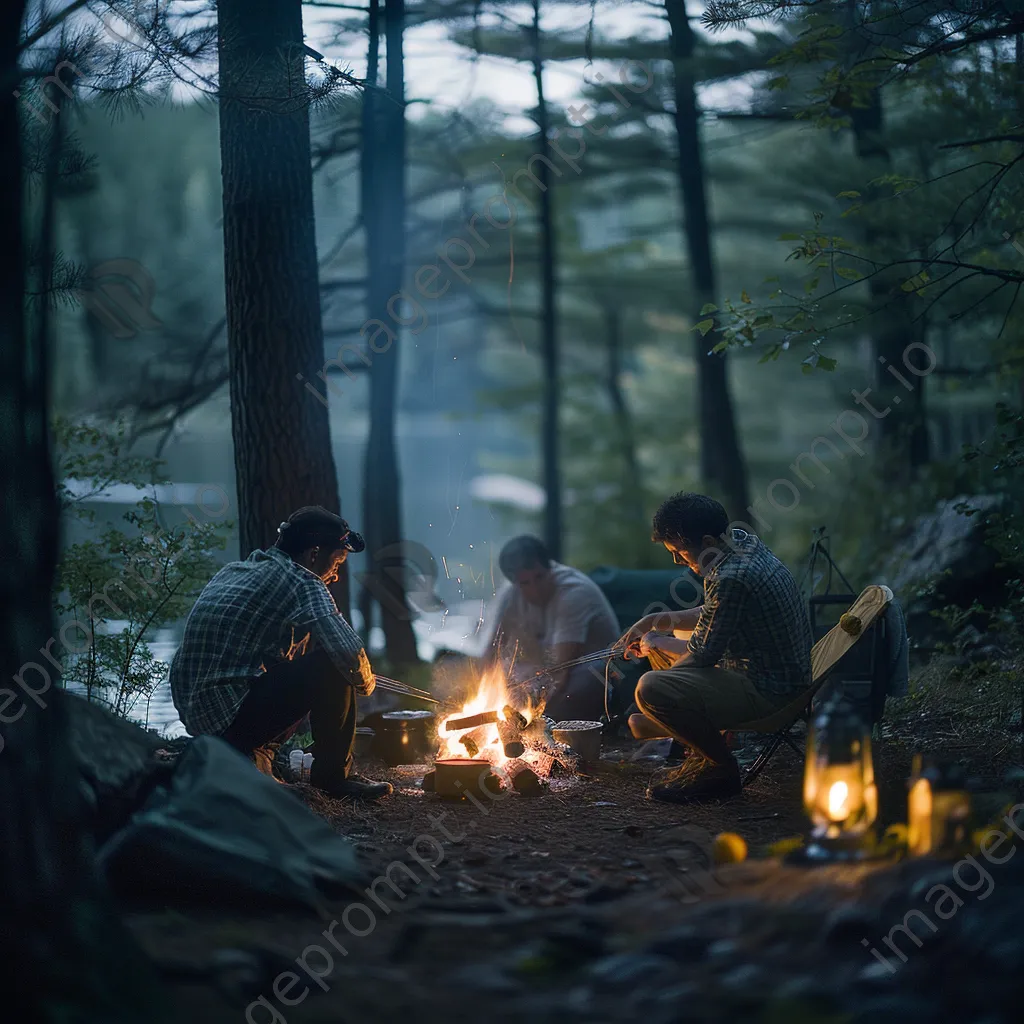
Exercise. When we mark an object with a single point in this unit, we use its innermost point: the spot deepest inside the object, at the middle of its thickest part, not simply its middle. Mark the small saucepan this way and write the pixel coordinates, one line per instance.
(405, 737)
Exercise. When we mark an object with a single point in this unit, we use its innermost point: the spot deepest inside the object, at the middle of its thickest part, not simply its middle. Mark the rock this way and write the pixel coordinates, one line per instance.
(678, 993)
(992, 934)
(116, 761)
(940, 541)
(684, 943)
(852, 922)
(722, 947)
(572, 944)
(894, 1009)
(482, 978)
(877, 974)
(623, 970)
(742, 977)
(579, 999)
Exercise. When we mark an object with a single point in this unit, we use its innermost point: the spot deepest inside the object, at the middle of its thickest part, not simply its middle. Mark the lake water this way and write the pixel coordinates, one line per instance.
(461, 629)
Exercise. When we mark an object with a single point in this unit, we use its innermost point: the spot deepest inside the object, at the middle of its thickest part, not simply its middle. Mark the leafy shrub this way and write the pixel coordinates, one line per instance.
(121, 585)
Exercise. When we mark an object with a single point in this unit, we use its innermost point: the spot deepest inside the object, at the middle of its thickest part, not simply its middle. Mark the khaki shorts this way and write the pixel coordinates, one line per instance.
(726, 699)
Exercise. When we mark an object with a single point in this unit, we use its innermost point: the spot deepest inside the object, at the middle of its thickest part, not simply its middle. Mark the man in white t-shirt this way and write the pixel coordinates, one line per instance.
(546, 615)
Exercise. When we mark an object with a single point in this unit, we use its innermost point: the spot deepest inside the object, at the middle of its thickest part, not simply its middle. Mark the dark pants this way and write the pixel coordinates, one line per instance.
(309, 685)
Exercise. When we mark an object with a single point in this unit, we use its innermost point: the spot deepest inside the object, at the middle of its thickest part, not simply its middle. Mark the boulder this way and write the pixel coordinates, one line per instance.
(116, 760)
(943, 559)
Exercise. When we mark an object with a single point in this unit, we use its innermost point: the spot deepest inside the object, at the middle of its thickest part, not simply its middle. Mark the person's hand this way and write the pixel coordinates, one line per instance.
(632, 638)
(656, 640)
(365, 681)
(647, 642)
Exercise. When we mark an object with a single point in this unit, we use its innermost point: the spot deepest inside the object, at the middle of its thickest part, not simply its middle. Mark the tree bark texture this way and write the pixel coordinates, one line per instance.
(383, 182)
(550, 436)
(721, 457)
(63, 954)
(903, 429)
(281, 434)
(634, 490)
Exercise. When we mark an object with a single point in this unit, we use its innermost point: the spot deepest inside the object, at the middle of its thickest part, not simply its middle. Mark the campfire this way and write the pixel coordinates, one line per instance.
(517, 742)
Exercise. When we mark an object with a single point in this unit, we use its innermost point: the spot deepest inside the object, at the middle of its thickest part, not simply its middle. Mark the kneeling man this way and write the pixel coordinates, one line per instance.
(265, 645)
(749, 653)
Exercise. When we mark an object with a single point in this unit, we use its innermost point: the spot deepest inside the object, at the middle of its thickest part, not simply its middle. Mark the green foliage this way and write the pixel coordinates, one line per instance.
(120, 585)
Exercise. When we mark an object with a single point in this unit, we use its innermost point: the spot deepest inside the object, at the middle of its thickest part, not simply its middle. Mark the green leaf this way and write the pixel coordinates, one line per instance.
(826, 363)
(849, 273)
(848, 195)
(789, 236)
(810, 285)
(744, 297)
(704, 326)
(708, 307)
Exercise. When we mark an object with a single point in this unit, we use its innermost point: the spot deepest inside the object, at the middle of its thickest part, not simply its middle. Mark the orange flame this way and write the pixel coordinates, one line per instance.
(491, 695)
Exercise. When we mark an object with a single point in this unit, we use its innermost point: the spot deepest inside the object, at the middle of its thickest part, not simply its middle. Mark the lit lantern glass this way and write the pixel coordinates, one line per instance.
(938, 809)
(839, 779)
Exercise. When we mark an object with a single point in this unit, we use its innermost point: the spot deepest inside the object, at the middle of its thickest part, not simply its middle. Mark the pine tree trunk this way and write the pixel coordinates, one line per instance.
(280, 429)
(550, 456)
(634, 490)
(721, 459)
(383, 203)
(63, 955)
(903, 430)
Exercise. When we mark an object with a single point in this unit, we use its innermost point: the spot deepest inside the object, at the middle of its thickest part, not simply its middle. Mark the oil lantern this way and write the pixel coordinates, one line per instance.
(938, 809)
(839, 784)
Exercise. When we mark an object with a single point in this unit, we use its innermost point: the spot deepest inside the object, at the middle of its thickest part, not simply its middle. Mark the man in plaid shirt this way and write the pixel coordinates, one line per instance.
(265, 645)
(749, 653)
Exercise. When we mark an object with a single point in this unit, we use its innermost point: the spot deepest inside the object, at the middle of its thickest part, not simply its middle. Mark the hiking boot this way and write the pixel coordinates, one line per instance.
(704, 782)
(355, 787)
(677, 753)
(692, 766)
(263, 759)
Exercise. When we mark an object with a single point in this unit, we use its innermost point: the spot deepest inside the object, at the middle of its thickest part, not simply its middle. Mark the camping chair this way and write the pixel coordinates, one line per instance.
(825, 655)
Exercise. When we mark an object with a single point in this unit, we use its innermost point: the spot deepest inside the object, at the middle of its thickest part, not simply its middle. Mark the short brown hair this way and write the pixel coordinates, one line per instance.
(689, 517)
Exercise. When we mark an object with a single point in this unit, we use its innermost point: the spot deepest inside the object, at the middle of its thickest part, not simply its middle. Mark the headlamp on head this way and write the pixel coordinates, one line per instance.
(354, 542)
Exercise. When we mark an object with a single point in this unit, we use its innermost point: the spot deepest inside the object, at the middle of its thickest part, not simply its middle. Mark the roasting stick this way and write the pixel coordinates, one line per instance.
(397, 684)
(394, 686)
(608, 652)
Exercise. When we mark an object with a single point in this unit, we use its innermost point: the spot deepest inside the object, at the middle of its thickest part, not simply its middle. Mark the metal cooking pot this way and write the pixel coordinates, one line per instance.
(405, 737)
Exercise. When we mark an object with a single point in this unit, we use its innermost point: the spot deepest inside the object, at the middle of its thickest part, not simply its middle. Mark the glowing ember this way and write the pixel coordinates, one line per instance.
(491, 695)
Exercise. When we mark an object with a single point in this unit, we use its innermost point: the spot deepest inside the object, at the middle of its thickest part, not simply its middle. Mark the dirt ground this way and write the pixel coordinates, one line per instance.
(524, 895)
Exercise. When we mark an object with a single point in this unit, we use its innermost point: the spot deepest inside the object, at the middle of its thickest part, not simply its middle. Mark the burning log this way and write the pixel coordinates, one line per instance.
(524, 779)
(514, 718)
(472, 748)
(566, 757)
(510, 737)
(484, 718)
(537, 735)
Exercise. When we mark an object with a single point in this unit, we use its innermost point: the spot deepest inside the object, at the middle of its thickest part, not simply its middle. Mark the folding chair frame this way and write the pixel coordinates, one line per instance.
(775, 740)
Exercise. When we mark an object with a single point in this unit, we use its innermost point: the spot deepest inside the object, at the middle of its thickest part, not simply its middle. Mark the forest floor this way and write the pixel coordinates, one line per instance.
(576, 905)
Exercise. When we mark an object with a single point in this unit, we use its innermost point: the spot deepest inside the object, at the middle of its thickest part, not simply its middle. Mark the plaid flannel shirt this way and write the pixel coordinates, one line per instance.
(253, 613)
(754, 620)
